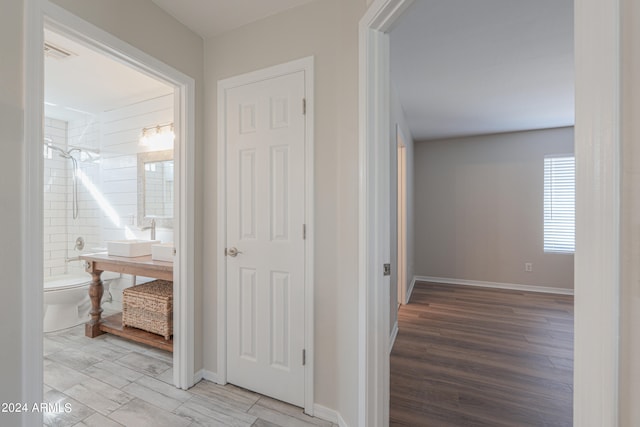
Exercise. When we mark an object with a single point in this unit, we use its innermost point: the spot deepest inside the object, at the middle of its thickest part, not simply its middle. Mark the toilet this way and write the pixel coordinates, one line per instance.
(66, 300)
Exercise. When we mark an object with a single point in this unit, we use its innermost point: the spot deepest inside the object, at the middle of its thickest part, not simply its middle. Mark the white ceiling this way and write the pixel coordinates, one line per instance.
(464, 67)
(209, 18)
(88, 83)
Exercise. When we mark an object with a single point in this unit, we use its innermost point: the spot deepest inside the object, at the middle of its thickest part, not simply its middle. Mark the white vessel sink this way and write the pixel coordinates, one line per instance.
(162, 252)
(130, 248)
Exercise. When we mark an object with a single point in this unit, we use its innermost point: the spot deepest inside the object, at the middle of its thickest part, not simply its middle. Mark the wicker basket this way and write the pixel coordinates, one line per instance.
(149, 307)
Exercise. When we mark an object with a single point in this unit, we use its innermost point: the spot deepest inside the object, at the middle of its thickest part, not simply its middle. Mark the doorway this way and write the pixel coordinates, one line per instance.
(597, 65)
(265, 260)
(44, 15)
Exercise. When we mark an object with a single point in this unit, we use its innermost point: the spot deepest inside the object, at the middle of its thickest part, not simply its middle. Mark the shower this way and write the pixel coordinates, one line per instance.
(92, 155)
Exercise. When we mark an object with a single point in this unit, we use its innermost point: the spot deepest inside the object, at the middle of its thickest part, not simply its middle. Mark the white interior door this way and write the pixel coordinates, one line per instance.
(265, 236)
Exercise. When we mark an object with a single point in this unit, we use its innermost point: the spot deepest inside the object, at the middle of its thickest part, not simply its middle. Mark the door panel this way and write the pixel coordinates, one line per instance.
(265, 216)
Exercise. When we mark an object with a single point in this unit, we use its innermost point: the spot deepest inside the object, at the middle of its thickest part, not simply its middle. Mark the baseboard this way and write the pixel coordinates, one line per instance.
(319, 411)
(394, 334)
(198, 376)
(327, 414)
(510, 286)
(204, 374)
(410, 290)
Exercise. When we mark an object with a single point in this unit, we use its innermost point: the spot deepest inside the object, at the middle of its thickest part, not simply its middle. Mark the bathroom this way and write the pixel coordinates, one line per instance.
(108, 131)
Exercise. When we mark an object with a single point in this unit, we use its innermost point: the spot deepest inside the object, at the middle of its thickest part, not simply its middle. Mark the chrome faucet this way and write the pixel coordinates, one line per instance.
(153, 229)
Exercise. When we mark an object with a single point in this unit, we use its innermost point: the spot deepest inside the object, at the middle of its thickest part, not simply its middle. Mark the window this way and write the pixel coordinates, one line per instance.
(560, 203)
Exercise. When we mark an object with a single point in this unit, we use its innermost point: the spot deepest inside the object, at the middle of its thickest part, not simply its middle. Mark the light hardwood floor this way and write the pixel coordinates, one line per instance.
(113, 382)
(468, 356)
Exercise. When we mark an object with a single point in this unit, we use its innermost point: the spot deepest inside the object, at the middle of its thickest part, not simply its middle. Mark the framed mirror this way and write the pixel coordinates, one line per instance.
(155, 188)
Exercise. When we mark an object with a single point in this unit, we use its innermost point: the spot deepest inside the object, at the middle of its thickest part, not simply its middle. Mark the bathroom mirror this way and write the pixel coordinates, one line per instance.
(155, 188)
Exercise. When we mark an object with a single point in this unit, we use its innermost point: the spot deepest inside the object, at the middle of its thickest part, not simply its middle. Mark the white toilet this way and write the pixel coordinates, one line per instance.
(66, 300)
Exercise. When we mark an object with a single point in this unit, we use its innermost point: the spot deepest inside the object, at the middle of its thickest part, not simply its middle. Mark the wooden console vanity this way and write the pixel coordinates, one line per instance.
(139, 266)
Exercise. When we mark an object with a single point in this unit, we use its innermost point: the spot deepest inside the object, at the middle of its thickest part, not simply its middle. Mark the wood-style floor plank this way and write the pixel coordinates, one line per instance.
(468, 356)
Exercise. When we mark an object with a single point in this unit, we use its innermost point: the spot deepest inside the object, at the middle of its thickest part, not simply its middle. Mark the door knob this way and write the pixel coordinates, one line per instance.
(232, 252)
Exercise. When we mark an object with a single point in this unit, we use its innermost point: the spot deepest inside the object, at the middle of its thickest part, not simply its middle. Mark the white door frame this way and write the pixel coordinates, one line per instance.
(597, 258)
(306, 65)
(41, 13)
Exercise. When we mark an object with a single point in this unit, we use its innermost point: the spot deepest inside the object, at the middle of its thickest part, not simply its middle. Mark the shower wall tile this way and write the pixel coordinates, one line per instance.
(55, 196)
(84, 132)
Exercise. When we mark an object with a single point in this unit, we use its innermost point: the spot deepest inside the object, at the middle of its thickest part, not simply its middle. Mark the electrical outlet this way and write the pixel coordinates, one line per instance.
(528, 267)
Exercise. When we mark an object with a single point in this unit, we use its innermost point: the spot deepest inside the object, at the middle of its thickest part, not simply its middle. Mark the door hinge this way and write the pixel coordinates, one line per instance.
(304, 231)
(386, 268)
(304, 106)
(304, 357)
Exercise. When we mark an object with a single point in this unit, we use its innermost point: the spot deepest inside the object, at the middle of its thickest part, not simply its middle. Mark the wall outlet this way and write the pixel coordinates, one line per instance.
(528, 266)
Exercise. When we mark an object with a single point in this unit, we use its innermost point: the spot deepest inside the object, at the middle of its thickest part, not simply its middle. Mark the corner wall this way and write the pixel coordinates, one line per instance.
(479, 208)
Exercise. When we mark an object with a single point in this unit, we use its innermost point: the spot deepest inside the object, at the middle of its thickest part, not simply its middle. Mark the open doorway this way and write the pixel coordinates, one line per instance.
(599, 254)
(89, 153)
(108, 176)
(483, 125)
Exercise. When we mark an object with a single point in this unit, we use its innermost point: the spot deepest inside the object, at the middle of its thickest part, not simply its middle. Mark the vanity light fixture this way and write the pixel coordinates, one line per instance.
(158, 137)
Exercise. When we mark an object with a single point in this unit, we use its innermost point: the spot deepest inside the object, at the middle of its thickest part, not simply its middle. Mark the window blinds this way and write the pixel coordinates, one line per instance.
(559, 203)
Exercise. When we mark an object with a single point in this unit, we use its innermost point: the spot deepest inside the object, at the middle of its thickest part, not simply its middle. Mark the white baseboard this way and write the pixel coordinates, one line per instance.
(198, 376)
(511, 286)
(327, 414)
(394, 334)
(204, 374)
(319, 411)
(410, 290)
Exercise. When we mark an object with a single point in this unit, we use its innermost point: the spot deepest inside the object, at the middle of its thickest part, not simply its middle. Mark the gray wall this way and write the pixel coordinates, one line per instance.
(479, 209)
(629, 388)
(327, 30)
(11, 144)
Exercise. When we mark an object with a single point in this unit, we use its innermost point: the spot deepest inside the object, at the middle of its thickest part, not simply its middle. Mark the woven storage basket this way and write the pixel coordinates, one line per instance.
(149, 307)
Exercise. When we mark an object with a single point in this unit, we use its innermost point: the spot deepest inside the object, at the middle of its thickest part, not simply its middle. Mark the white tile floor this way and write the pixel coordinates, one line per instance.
(110, 381)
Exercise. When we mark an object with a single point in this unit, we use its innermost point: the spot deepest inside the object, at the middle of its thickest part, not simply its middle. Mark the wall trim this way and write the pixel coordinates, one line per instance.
(328, 414)
(373, 213)
(394, 335)
(598, 70)
(204, 374)
(496, 285)
(410, 290)
(32, 207)
(307, 65)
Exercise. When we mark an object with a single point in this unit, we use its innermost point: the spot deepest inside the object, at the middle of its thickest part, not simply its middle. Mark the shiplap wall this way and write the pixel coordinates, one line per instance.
(107, 186)
(121, 130)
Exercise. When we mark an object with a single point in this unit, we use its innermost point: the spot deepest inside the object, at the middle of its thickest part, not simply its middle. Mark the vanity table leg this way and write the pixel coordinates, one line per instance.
(96, 289)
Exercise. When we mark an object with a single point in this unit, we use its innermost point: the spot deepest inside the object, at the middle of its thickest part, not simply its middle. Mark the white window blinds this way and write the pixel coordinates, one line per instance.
(559, 203)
